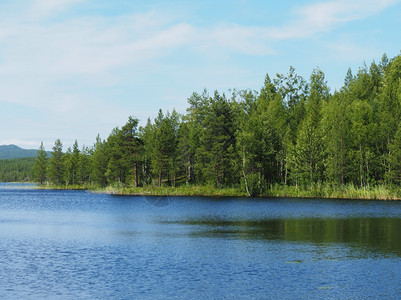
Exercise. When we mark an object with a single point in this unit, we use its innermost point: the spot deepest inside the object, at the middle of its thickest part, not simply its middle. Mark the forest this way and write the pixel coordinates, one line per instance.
(294, 133)
(16, 170)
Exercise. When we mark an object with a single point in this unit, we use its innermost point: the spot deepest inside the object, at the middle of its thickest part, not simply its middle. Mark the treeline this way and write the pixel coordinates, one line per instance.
(292, 132)
(16, 170)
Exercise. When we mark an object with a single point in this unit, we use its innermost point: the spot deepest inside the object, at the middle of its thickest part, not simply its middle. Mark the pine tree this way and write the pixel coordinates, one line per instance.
(130, 144)
(40, 166)
(335, 130)
(56, 165)
(309, 144)
(165, 142)
(99, 163)
(71, 160)
(84, 166)
(395, 157)
(217, 148)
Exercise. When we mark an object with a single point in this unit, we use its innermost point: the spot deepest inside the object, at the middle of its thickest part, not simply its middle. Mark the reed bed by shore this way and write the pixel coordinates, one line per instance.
(378, 192)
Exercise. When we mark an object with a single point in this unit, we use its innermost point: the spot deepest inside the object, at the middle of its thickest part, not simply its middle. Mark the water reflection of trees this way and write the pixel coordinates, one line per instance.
(374, 234)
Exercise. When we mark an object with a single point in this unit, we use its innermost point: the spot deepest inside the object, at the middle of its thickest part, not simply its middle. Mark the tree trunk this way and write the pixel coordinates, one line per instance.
(285, 175)
(361, 166)
(342, 162)
(135, 175)
(243, 171)
(188, 173)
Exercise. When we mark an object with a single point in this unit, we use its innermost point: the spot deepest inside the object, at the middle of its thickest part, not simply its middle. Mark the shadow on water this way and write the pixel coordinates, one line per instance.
(378, 235)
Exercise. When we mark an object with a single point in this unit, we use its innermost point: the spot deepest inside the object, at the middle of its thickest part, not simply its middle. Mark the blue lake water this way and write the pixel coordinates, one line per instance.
(80, 245)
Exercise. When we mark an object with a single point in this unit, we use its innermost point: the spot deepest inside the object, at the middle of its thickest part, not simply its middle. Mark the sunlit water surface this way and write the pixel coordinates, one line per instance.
(79, 245)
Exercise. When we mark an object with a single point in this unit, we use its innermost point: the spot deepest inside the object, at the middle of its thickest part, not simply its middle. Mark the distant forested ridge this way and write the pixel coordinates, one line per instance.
(13, 151)
(16, 163)
(16, 170)
(292, 132)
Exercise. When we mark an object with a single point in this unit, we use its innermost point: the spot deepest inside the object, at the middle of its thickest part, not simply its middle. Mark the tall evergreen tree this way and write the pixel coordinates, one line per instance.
(291, 132)
(99, 163)
(56, 165)
(389, 108)
(294, 91)
(164, 152)
(71, 160)
(84, 166)
(217, 150)
(309, 144)
(395, 157)
(130, 144)
(336, 140)
(40, 166)
(362, 130)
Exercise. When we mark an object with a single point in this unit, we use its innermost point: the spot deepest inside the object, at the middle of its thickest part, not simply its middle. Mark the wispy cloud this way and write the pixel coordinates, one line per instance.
(62, 65)
(38, 56)
(91, 46)
(323, 16)
(44, 8)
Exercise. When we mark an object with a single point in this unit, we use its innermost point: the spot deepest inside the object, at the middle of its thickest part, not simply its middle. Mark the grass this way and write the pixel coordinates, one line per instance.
(193, 190)
(349, 191)
(378, 192)
(64, 187)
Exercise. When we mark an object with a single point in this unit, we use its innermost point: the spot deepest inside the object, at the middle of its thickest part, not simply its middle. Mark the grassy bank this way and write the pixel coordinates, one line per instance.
(380, 192)
(194, 190)
(64, 187)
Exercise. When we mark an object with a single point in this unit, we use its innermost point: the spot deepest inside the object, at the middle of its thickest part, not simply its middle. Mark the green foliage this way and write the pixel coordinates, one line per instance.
(84, 166)
(71, 161)
(99, 162)
(216, 153)
(336, 138)
(16, 170)
(13, 151)
(294, 136)
(161, 143)
(308, 154)
(56, 164)
(395, 157)
(40, 167)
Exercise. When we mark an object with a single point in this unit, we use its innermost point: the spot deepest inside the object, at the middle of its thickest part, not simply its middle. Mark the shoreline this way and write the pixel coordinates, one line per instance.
(378, 193)
(382, 193)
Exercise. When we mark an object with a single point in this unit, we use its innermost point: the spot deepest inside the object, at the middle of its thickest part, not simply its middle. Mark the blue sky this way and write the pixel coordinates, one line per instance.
(73, 69)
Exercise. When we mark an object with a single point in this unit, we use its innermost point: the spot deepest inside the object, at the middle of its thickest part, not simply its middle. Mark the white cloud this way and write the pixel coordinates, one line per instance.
(324, 16)
(86, 46)
(37, 57)
(92, 47)
(44, 8)
(62, 66)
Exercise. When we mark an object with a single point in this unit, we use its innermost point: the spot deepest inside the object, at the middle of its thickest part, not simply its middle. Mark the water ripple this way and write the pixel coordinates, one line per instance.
(77, 245)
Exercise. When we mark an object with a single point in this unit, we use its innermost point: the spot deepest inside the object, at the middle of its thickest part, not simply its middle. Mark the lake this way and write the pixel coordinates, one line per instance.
(80, 245)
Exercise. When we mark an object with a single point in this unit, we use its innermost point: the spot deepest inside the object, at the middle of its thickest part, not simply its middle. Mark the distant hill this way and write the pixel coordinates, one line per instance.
(17, 169)
(13, 151)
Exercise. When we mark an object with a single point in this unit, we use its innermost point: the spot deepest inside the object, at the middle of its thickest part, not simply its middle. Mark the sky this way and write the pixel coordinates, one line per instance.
(75, 69)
